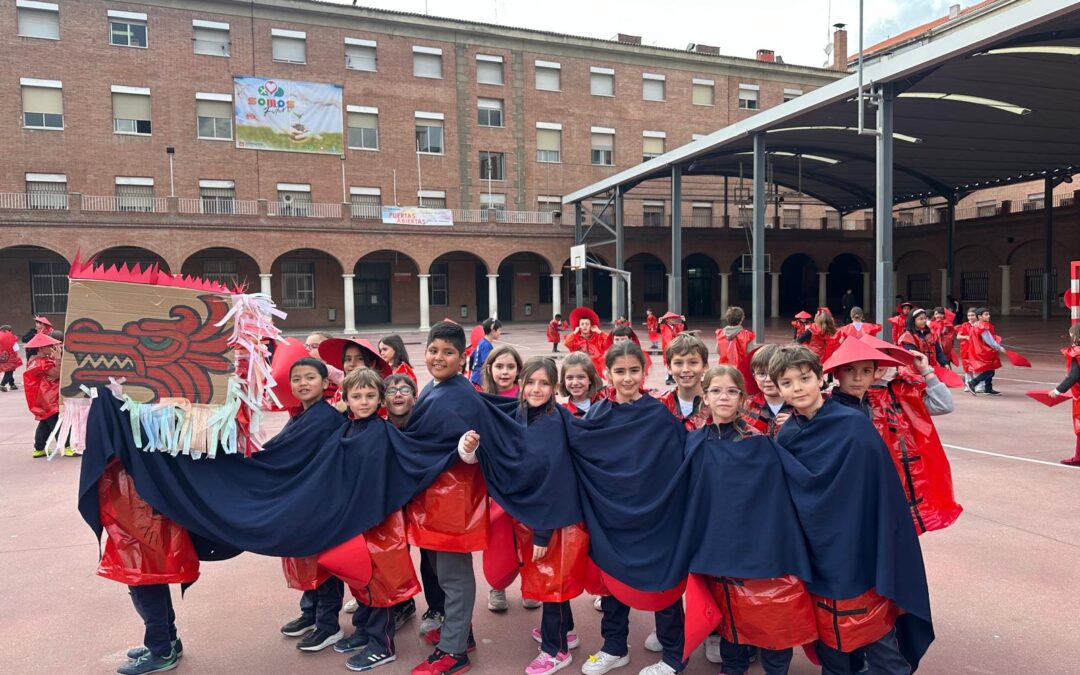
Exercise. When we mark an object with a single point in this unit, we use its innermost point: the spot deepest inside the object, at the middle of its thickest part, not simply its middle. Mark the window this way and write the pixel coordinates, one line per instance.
(131, 110)
(549, 203)
(127, 29)
(214, 116)
(46, 191)
(701, 214)
(48, 287)
(790, 217)
(652, 87)
(548, 142)
(975, 286)
(746, 216)
(438, 286)
(294, 199)
(655, 282)
(492, 166)
(748, 96)
(43, 103)
(603, 146)
(1033, 284)
(792, 94)
(225, 272)
(427, 62)
(217, 196)
(489, 69)
(489, 112)
(366, 202)
(38, 19)
(1035, 201)
(288, 46)
(918, 287)
(704, 92)
(429, 133)
(548, 76)
(602, 211)
(298, 284)
(210, 38)
(652, 214)
(363, 128)
(492, 201)
(832, 219)
(652, 144)
(431, 199)
(602, 81)
(986, 208)
(134, 193)
(360, 55)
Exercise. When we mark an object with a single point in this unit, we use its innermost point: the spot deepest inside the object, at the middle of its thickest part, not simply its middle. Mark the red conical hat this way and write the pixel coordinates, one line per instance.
(580, 313)
(671, 315)
(41, 340)
(803, 315)
(333, 352)
(852, 351)
(899, 353)
(285, 355)
(44, 320)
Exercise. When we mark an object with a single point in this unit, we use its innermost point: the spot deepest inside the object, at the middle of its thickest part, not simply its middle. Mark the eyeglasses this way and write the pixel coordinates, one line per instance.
(760, 375)
(312, 345)
(404, 391)
(732, 392)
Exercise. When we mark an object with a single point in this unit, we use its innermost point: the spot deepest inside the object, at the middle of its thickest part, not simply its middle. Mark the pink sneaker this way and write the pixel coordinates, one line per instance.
(545, 663)
(572, 641)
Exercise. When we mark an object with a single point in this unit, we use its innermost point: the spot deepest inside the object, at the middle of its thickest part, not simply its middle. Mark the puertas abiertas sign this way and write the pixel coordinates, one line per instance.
(288, 115)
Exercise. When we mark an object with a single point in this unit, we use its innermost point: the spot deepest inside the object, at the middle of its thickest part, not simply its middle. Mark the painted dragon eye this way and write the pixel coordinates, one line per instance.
(157, 344)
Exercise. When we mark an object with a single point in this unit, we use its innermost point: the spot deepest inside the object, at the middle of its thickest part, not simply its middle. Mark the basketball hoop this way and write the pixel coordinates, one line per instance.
(577, 257)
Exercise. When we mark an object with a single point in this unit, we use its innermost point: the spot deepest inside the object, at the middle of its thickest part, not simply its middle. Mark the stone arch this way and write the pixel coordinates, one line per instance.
(306, 283)
(798, 284)
(699, 272)
(650, 284)
(227, 265)
(386, 288)
(524, 287)
(130, 255)
(459, 280)
(34, 282)
(845, 272)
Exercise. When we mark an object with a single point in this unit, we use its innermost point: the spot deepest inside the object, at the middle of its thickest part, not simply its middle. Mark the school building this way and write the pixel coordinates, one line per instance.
(119, 139)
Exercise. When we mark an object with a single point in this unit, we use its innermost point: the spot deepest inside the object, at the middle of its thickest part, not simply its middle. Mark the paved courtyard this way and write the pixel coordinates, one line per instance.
(1004, 580)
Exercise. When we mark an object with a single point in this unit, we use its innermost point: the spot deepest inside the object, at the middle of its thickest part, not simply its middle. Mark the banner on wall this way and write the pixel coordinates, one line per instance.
(414, 215)
(288, 115)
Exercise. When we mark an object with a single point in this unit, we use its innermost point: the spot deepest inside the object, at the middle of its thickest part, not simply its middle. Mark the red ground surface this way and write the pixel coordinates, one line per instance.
(1004, 580)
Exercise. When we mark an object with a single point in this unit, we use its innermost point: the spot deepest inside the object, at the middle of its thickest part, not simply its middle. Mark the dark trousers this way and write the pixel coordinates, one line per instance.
(987, 377)
(324, 603)
(433, 593)
(154, 604)
(378, 624)
(556, 621)
(8, 379)
(615, 628)
(736, 659)
(44, 428)
(883, 658)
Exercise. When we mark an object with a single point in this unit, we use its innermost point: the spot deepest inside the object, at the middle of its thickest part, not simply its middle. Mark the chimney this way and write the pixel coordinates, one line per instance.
(766, 55)
(707, 49)
(623, 38)
(839, 53)
(954, 11)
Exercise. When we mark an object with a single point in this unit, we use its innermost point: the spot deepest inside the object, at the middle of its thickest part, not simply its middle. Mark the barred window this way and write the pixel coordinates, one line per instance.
(366, 205)
(1033, 284)
(975, 285)
(298, 284)
(918, 287)
(439, 287)
(46, 194)
(224, 272)
(48, 287)
(218, 200)
(135, 198)
(653, 214)
(702, 216)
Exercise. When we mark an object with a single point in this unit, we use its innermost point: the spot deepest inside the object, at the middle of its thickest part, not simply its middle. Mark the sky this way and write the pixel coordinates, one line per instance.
(797, 30)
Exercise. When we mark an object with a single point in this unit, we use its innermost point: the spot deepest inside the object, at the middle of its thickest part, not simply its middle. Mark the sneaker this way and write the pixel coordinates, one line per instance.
(136, 652)
(652, 643)
(38, 453)
(993, 392)
(529, 603)
(358, 640)
(351, 606)
(657, 669)
(68, 452)
(572, 639)
(712, 649)
(433, 637)
(319, 640)
(13, 387)
(432, 620)
(1072, 461)
(598, 603)
(497, 601)
(602, 662)
(148, 663)
(369, 659)
(442, 663)
(545, 663)
(3, 387)
(403, 613)
(301, 625)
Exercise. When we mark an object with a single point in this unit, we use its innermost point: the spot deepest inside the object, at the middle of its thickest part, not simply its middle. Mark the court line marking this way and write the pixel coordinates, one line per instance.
(1014, 457)
(1009, 379)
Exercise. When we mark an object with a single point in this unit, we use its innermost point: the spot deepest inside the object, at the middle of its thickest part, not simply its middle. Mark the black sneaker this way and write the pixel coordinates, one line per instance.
(993, 392)
(403, 613)
(432, 620)
(368, 659)
(148, 663)
(136, 652)
(358, 640)
(318, 640)
(301, 625)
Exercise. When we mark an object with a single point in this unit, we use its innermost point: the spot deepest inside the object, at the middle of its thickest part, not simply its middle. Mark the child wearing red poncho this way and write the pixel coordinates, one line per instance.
(1071, 386)
(41, 385)
(733, 340)
(9, 358)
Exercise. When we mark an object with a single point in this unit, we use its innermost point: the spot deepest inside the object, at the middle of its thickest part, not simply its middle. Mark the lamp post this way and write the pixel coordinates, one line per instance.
(170, 151)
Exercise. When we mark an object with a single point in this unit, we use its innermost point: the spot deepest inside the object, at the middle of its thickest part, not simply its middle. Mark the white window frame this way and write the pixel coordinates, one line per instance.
(496, 201)
(216, 29)
(555, 158)
(702, 83)
(421, 117)
(361, 44)
(484, 103)
(548, 67)
(361, 202)
(489, 69)
(661, 135)
(652, 213)
(30, 8)
(647, 78)
(133, 91)
(278, 36)
(495, 159)
(217, 203)
(218, 98)
(128, 19)
(34, 83)
(549, 203)
(423, 52)
(749, 93)
(421, 195)
(361, 110)
(599, 74)
(46, 199)
(604, 131)
(792, 94)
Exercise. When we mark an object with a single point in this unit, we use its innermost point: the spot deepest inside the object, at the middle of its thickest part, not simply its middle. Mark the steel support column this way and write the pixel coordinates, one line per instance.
(950, 239)
(579, 277)
(883, 227)
(619, 309)
(757, 311)
(675, 294)
(1048, 249)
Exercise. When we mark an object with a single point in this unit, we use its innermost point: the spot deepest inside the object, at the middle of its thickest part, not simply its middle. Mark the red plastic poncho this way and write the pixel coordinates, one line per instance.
(1073, 354)
(393, 577)
(821, 344)
(452, 513)
(983, 356)
(652, 324)
(142, 546)
(944, 333)
(905, 425)
(553, 329)
(561, 574)
(41, 386)
(775, 613)
(850, 331)
(732, 350)
(303, 574)
(595, 345)
(898, 325)
(926, 345)
(846, 625)
(406, 370)
(964, 334)
(9, 357)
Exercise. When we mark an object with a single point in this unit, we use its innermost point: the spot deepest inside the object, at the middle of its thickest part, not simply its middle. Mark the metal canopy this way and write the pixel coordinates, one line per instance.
(942, 146)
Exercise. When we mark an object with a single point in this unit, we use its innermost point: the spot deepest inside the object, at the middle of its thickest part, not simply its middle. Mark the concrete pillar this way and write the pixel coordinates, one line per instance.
(774, 309)
(264, 284)
(493, 296)
(944, 286)
(425, 302)
(615, 283)
(867, 298)
(725, 280)
(1006, 291)
(822, 289)
(556, 294)
(350, 304)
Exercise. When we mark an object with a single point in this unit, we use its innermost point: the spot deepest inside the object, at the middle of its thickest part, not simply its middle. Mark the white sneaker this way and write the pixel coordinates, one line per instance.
(657, 669)
(497, 601)
(653, 644)
(597, 603)
(351, 606)
(712, 649)
(602, 662)
(529, 603)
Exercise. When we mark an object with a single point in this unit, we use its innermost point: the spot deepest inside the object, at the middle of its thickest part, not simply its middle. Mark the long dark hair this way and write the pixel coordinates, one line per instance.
(395, 342)
(534, 364)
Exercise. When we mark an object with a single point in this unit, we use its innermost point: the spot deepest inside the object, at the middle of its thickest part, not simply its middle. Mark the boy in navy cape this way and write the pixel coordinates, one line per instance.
(867, 566)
